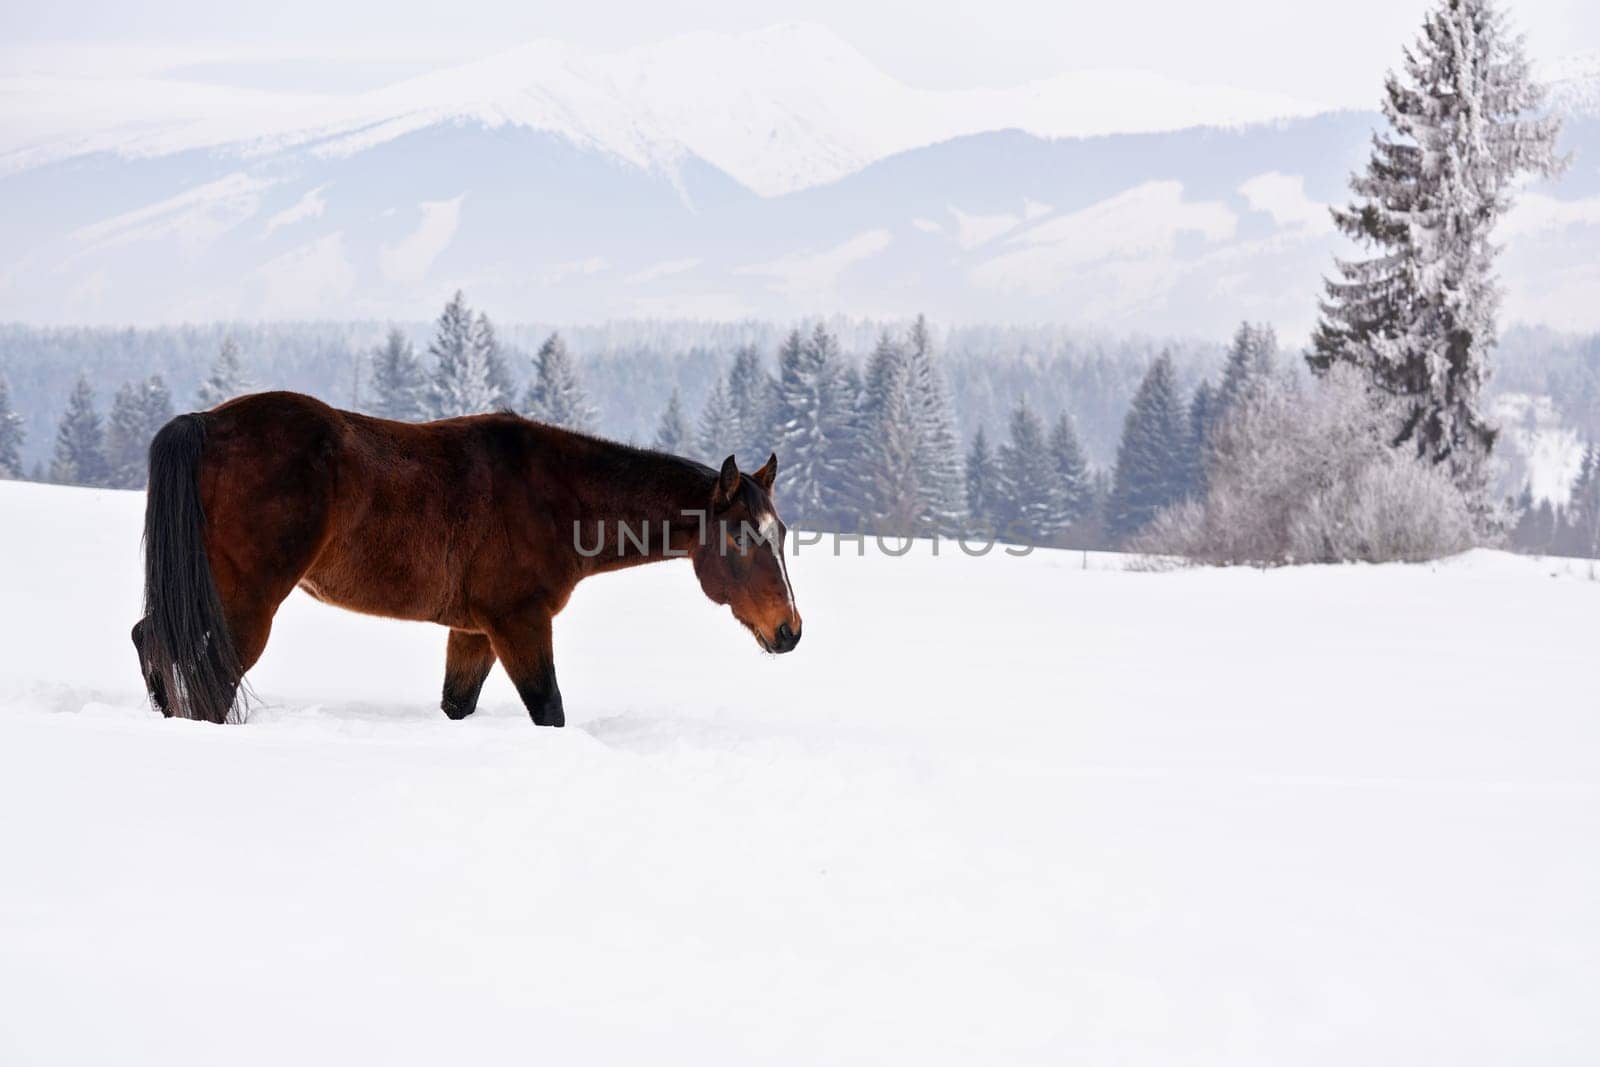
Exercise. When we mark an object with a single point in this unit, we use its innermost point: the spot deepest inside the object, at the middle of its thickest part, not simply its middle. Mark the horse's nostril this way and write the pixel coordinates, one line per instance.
(787, 638)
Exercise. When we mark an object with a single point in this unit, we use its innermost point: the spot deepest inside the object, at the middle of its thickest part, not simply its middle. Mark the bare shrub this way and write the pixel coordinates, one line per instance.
(1306, 474)
(1395, 508)
(1166, 543)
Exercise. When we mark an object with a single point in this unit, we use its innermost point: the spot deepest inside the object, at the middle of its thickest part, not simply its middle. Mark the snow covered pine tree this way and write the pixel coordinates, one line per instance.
(814, 421)
(556, 396)
(12, 436)
(672, 433)
(938, 447)
(80, 457)
(137, 412)
(463, 382)
(750, 404)
(1152, 458)
(1419, 316)
(892, 499)
(1030, 509)
(399, 386)
(227, 378)
(1074, 493)
(1252, 359)
(714, 433)
(983, 486)
(482, 336)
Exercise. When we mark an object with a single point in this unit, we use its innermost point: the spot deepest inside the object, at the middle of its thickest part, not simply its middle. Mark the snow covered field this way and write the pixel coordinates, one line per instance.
(999, 811)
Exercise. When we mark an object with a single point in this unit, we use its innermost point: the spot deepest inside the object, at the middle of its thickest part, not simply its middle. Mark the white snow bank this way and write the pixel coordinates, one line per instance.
(998, 810)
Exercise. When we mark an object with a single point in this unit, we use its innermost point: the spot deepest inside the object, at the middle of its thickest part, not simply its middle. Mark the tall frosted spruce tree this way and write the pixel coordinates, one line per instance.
(1029, 497)
(137, 411)
(399, 384)
(1419, 315)
(983, 485)
(714, 433)
(80, 455)
(462, 382)
(814, 421)
(1074, 489)
(557, 396)
(12, 436)
(938, 447)
(912, 463)
(227, 378)
(1579, 526)
(1152, 469)
(1252, 359)
(750, 399)
(884, 367)
(482, 337)
(672, 433)
(894, 499)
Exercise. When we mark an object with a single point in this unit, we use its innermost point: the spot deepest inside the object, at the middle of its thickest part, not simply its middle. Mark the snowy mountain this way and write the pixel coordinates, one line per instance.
(773, 174)
(778, 109)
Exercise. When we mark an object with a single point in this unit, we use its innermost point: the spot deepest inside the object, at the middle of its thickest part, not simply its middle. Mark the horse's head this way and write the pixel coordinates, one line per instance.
(740, 560)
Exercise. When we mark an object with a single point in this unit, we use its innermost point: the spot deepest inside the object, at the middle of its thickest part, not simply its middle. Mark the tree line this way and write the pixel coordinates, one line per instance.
(1569, 529)
(110, 452)
(867, 446)
(871, 446)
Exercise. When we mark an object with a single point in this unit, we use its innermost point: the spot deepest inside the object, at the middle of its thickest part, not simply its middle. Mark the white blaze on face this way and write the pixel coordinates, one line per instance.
(768, 530)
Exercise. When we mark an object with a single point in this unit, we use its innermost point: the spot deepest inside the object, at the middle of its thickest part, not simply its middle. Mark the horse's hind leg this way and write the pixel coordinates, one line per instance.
(154, 683)
(249, 609)
(248, 627)
(467, 661)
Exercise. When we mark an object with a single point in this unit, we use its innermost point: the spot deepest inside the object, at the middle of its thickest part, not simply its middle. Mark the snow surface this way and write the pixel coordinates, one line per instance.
(995, 810)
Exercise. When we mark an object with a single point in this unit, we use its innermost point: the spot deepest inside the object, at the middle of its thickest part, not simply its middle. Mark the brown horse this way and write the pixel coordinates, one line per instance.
(483, 524)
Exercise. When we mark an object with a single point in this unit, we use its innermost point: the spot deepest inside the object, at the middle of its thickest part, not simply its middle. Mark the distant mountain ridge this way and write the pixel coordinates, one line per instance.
(558, 184)
(778, 109)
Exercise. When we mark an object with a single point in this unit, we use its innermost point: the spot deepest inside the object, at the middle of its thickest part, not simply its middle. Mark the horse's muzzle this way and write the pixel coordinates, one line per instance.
(785, 639)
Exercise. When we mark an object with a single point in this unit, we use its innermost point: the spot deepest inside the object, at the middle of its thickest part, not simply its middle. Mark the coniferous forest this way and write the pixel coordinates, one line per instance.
(1040, 435)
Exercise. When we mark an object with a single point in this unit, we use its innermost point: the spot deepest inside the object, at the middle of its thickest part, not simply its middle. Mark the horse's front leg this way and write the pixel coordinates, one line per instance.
(523, 644)
(467, 661)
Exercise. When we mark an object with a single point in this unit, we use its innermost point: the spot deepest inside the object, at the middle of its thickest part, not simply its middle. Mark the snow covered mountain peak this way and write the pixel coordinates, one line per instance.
(779, 109)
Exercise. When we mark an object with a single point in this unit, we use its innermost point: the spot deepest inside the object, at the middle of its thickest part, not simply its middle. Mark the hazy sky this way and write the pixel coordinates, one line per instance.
(1327, 52)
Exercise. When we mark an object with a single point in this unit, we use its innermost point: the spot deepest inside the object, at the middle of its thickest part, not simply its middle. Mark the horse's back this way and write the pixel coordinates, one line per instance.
(370, 514)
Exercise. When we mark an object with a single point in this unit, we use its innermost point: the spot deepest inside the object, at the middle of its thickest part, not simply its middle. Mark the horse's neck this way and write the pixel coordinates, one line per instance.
(640, 507)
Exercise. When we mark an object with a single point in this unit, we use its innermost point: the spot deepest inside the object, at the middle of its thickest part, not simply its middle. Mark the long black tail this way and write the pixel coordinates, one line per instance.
(187, 646)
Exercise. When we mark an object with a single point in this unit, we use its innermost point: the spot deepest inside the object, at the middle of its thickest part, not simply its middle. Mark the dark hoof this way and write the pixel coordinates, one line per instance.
(552, 714)
(455, 711)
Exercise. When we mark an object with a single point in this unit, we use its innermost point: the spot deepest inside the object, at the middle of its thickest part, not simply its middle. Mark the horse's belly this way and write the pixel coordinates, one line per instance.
(389, 592)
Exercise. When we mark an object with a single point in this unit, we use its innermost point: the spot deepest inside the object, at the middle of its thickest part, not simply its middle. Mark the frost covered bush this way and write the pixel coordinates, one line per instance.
(1395, 508)
(1305, 473)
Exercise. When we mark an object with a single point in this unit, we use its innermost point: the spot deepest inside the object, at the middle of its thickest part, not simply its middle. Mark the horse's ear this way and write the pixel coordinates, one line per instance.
(727, 484)
(768, 473)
